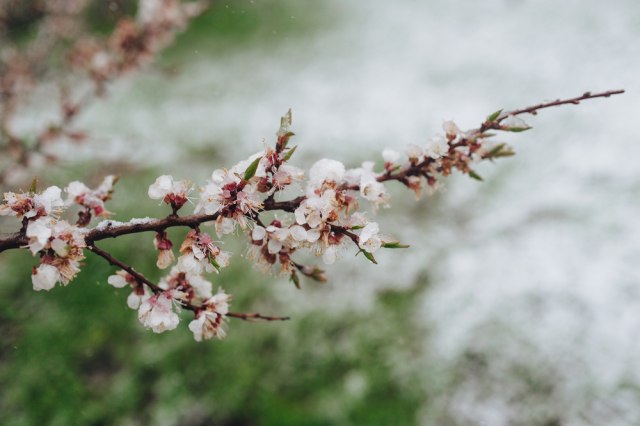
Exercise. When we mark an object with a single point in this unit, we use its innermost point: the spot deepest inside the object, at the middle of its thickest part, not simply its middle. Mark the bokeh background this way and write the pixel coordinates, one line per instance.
(518, 302)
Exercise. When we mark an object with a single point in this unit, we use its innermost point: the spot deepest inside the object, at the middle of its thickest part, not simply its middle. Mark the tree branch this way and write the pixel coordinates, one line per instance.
(116, 229)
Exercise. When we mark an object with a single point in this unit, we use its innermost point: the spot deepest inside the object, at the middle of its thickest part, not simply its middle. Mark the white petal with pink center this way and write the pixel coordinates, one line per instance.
(157, 312)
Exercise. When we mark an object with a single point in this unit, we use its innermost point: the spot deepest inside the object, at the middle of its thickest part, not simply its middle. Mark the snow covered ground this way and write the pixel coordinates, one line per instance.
(548, 247)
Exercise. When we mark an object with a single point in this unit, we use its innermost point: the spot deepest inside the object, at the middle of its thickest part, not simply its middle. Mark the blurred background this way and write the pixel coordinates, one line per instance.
(518, 302)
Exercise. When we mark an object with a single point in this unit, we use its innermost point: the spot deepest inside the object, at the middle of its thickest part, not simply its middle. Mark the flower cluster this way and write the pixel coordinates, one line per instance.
(91, 199)
(59, 244)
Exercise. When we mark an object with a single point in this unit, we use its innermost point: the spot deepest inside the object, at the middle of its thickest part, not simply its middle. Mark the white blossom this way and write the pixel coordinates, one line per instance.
(135, 299)
(45, 277)
(369, 240)
(451, 129)
(390, 155)
(39, 231)
(32, 206)
(258, 233)
(48, 201)
(225, 225)
(157, 312)
(437, 147)
(208, 322)
(314, 210)
(94, 199)
(414, 152)
(119, 280)
(329, 255)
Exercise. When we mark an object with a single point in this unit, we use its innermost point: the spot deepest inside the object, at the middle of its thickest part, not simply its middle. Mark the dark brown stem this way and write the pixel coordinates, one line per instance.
(535, 108)
(256, 317)
(115, 262)
(287, 206)
(340, 230)
(575, 101)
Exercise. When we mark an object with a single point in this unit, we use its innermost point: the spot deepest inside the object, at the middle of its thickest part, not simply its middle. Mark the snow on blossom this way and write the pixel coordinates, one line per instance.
(170, 191)
(158, 312)
(45, 277)
(325, 170)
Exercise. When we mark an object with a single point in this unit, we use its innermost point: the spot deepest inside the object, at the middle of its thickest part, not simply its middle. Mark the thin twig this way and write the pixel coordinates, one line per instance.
(575, 101)
(115, 262)
(254, 317)
(156, 289)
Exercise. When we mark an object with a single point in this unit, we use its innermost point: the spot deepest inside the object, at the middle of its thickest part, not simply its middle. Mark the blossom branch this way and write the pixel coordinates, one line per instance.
(233, 199)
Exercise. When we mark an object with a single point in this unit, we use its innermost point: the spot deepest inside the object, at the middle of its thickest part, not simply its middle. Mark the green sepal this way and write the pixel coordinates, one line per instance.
(517, 129)
(474, 175)
(251, 170)
(496, 150)
(289, 153)
(493, 116)
(34, 186)
(369, 256)
(285, 121)
(295, 279)
(214, 263)
(395, 245)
